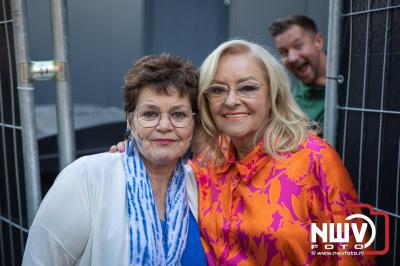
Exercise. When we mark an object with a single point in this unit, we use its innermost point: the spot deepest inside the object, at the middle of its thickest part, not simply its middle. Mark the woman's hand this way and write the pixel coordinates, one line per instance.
(120, 147)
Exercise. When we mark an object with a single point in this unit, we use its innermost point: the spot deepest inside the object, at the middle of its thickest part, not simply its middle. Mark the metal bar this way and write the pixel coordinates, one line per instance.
(330, 116)
(5, 21)
(370, 11)
(3, 262)
(395, 242)
(17, 176)
(27, 111)
(30, 151)
(9, 126)
(347, 86)
(4, 158)
(19, 227)
(378, 161)
(2, 242)
(18, 186)
(65, 123)
(6, 177)
(397, 204)
(388, 212)
(360, 155)
(369, 110)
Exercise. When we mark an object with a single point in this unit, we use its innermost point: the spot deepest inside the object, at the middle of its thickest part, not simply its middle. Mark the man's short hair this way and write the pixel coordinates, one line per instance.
(281, 25)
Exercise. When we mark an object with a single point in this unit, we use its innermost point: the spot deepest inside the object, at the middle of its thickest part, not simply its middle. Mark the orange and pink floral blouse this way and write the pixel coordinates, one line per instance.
(258, 210)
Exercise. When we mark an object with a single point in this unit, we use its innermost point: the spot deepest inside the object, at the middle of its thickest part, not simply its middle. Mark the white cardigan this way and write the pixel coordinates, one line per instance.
(83, 218)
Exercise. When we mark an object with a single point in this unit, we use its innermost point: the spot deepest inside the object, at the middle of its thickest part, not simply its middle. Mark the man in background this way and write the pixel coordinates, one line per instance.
(301, 48)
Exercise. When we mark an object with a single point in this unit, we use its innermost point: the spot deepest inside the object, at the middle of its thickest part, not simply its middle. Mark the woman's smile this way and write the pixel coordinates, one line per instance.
(235, 116)
(164, 141)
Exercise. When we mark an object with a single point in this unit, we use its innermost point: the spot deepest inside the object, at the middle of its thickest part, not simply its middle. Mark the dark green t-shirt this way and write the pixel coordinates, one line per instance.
(311, 100)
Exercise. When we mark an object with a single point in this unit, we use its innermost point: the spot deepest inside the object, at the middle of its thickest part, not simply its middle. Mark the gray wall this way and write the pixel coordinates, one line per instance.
(190, 28)
(250, 19)
(106, 37)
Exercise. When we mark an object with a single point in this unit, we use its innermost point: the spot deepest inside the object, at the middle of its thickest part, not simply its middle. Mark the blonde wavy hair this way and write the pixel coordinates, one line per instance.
(287, 126)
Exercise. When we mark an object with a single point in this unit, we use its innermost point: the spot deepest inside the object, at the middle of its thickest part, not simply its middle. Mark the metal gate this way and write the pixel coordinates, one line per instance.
(13, 217)
(20, 192)
(368, 132)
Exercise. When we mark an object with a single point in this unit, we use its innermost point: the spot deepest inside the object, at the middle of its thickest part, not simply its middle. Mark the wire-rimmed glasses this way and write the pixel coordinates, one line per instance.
(149, 116)
(246, 89)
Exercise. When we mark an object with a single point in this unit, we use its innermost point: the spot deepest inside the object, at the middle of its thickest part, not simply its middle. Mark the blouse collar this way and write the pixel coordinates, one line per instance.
(249, 165)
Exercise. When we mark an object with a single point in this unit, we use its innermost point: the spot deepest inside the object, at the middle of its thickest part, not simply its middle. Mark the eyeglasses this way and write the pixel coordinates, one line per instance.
(219, 92)
(150, 116)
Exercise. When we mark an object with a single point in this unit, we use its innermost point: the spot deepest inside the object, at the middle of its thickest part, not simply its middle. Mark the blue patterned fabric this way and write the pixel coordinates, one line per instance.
(145, 230)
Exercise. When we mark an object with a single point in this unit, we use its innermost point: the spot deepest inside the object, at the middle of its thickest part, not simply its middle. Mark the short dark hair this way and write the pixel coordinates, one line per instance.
(160, 72)
(279, 26)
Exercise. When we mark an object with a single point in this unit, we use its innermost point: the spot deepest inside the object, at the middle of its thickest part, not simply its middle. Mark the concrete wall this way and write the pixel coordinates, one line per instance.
(250, 19)
(190, 28)
(106, 37)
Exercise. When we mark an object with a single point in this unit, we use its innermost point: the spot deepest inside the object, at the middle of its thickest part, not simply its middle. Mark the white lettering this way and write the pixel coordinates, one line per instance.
(339, 238)
(323, 234)
(329, 246)
(359, 246)
(362, 232)
(359, 235)
(340, 233)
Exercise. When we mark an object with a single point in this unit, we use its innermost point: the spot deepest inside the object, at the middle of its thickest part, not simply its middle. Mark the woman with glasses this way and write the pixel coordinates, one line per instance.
(134, 208)
(264, 176)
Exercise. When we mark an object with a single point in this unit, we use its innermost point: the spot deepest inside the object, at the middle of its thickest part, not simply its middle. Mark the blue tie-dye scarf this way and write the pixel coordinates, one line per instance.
(145, 231)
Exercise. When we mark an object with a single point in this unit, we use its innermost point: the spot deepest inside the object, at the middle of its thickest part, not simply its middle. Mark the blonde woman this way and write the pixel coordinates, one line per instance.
(270, 176)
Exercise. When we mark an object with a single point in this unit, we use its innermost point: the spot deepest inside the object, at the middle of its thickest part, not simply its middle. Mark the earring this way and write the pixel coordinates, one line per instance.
(128, 132)
(130, 145)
